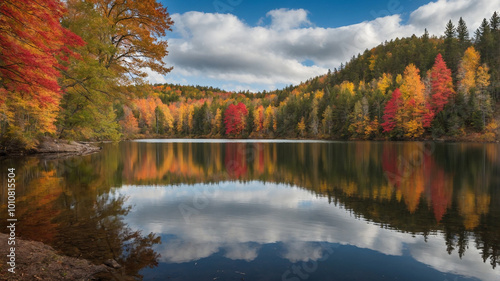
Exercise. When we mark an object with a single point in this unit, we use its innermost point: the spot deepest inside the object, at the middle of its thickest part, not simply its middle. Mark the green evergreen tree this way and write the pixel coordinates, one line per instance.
(463, 36)
(484, 42)
(495, 63)
(451, 54)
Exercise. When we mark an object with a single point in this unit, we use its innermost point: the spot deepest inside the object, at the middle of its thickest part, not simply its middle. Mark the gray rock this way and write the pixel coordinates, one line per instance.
(112, 263)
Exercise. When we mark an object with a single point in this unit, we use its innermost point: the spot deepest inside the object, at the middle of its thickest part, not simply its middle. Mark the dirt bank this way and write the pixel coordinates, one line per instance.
(37, 261)
(50, 145)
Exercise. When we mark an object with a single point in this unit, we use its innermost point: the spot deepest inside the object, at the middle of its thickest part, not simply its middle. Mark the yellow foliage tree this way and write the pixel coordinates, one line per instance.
(217, 122)
(384, 83)
(268, 118)
(180, 118)
(467, 70)
(412, 87)
(413, 91)
(258, 118)
(347, 87)
(301, 126)
(190, 115)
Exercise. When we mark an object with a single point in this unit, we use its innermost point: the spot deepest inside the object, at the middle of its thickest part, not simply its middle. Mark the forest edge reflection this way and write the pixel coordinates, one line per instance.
(68, 200)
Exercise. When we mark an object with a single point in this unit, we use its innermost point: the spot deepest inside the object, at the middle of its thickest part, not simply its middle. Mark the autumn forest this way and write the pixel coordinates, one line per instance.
(77, 70)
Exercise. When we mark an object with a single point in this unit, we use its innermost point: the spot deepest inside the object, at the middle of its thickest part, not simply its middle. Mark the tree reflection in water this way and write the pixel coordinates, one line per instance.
(68, 204)
(451, 189)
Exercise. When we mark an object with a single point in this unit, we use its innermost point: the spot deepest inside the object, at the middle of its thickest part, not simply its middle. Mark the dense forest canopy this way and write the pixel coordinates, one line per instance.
(63, 64)
(409, 88)
(77, 69)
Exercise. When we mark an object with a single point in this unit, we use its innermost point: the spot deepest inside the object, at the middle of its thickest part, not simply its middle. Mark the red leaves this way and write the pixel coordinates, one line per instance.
(31, 39)
(234, 118)
(442, 85)
(391, 110)
(400, 111)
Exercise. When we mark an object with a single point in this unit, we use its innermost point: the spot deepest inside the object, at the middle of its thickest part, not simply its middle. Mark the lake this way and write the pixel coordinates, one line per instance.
(269, 210)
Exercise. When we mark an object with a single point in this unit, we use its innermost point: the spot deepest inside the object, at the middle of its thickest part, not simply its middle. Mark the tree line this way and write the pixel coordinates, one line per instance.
(76, 69)
(409, 88)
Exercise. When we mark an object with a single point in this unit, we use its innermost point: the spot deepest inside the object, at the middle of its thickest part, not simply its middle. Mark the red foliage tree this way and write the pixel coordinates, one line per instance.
(391, 111)
(441, 89)
(31, 41)
(234, 118)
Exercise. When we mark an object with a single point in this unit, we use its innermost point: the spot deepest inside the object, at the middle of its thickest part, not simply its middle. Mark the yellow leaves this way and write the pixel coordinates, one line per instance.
(399, 80)
(471, 206)
(318, 94)
(483, 77)
(218, 120)
(190, 115)
(301, 126)
(490, 133)
(181, 111)
(384, 83)
(371, 128)
(168, 116)
(412, 86)
(347, 87)
(258, 118)
(269, 118)
(28, 117)
(467, 70)
(413, 128)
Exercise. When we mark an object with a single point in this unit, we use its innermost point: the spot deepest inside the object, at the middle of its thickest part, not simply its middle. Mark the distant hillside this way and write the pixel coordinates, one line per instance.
(409, 88)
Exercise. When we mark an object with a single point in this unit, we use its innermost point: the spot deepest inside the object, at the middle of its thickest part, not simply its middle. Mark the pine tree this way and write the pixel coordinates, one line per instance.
(495, 63)
(495, 22)
(463, 36)
(484, 42)
(450, 46)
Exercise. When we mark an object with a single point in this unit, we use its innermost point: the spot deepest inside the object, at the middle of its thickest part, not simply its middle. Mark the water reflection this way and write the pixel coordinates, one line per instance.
(270, 203)
(69, 204)
(236, 224)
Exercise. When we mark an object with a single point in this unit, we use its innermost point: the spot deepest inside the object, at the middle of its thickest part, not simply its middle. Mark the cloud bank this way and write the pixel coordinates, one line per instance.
(291, 49)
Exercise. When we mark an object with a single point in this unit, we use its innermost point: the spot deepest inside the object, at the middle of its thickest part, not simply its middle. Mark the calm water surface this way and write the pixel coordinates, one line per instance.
(281, 210)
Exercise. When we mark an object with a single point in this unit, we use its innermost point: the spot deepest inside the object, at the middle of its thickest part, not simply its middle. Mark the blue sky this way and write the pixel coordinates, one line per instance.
(323, 13)
(263, 45)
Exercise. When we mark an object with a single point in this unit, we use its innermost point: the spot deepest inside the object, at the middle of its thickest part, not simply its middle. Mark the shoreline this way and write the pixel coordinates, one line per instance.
(38, 261)
(51, 146)
(441, 140)
(60, 148)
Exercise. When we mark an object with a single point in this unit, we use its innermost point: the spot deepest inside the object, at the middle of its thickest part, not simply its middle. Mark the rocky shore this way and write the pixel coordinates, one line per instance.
(37, 261)
(50, 145)
(47, 145)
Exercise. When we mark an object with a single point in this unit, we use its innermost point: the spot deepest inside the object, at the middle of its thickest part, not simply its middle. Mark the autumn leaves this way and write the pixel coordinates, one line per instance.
(410, 110)
(64, 65)
(33, 47)
(414, 105)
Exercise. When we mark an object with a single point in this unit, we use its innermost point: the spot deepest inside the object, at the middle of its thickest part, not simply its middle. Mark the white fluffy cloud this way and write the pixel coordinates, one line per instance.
(284, 19)
(238, 218)
(222, 47)
(435, 15)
